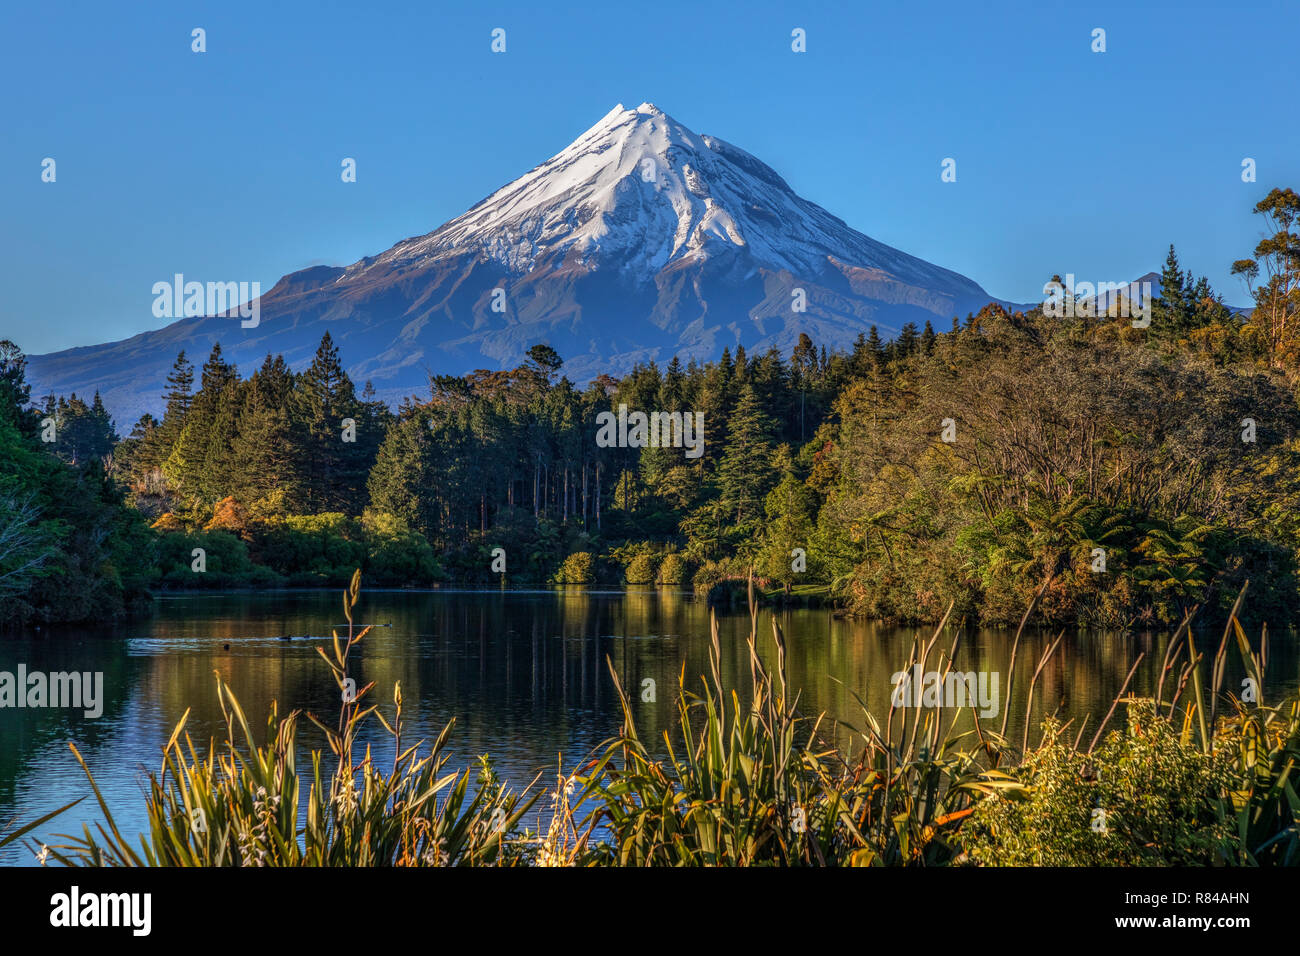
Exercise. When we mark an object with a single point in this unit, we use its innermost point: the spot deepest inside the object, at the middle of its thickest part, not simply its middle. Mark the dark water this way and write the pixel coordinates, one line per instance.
(523, 673)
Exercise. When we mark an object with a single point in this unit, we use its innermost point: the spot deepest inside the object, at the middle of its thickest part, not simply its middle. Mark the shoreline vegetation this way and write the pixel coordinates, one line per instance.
(1129, 473)
(1194, 776)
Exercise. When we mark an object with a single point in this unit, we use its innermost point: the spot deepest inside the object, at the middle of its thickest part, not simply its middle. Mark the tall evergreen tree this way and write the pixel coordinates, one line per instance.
(1171, 312)
(197, 448)
(325, 400)
(907, 340)
(874, 347)
(928, 338)
(745, 473)
(15, 393)
(267, 458)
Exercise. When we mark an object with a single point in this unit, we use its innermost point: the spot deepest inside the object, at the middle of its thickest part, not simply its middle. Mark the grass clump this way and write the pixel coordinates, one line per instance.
(238, 804)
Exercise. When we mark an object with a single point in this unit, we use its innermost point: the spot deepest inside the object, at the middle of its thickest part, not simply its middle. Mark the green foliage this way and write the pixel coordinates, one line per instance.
(395, 554)
(790, 509)
(238, 804)
(828, 470)
(1046, 469)
(281, 443)
(312, 549)
(82, 432)
(69, 549)
(225, 558)
(672, 569)
(1272, 275)
(747, 781)
(578, 568)
(641, 569)
(1159, 799)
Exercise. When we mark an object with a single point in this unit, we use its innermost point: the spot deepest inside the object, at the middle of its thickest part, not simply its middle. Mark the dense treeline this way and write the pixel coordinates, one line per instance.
(1126, 473)
(1075, 445)
(69, 549)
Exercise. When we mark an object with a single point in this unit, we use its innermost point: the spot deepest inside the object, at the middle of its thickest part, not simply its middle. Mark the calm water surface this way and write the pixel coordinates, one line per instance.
(522, 673)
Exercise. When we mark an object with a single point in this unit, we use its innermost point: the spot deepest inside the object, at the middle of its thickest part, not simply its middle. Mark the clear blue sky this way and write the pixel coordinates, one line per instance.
(226, 164)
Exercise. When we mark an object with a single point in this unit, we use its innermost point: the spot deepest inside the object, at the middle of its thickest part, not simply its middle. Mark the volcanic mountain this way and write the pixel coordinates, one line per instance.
(641, 240)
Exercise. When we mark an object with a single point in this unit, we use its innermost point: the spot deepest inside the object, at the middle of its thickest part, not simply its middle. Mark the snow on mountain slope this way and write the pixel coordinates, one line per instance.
(639, 241)
(642, 191)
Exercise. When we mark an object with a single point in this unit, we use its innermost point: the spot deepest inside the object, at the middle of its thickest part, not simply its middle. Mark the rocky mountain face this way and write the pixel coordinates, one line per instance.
(641, 240)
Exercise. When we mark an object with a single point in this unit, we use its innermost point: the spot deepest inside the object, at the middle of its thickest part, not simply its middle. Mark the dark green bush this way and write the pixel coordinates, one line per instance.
(396, 555)
(312, 549)
(1158, 797)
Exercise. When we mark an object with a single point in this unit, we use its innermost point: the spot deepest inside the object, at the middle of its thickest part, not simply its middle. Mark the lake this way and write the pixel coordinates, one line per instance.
(522, 672)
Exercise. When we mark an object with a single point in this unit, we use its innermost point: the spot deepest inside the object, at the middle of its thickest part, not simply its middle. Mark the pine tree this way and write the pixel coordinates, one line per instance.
(83, 432)
(672, 394)
(928, 338)
(1206, 305)
(740, 370)
(1171, 312)
(804, 359)
(334, 470)
(745, 473)
(177, 399)
(206, 424)
(860, 356)
(127, 452)
(15, 393)
(180, 388)
(875, 348)
(266, 459)
(218, 459)
(105, 435)
(908, 339)
(402, 481)
(791, 510)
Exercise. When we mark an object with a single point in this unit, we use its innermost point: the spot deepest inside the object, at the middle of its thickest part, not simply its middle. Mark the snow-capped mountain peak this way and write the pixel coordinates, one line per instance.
(644, 191)
(641, 240)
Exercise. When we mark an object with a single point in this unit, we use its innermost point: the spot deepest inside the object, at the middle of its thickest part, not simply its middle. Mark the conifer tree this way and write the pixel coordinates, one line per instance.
(874, 347)
(907, 340)
(745, 473)
(15, 393)
(206, 424)
(334, 469)
(266, 457)
(1171, 311)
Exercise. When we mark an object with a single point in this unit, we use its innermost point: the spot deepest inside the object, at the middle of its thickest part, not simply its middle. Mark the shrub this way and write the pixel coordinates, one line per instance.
(397, 555)
(228, 515)
(578, 568)
(225, 558)
(312, 549)
(707, 575)
(168, 522)
(641, 569)
(672, 569)
(750, 781)
(1157, 796)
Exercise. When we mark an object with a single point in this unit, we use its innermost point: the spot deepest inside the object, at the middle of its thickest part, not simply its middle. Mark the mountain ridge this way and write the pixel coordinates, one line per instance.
(640, 240)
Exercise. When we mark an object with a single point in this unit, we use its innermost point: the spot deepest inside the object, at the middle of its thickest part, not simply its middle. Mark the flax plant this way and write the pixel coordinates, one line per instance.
(238, 805)
(752, 781)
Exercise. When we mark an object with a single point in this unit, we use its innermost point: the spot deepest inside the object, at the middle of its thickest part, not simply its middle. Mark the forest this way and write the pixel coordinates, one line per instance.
(1122, 474)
